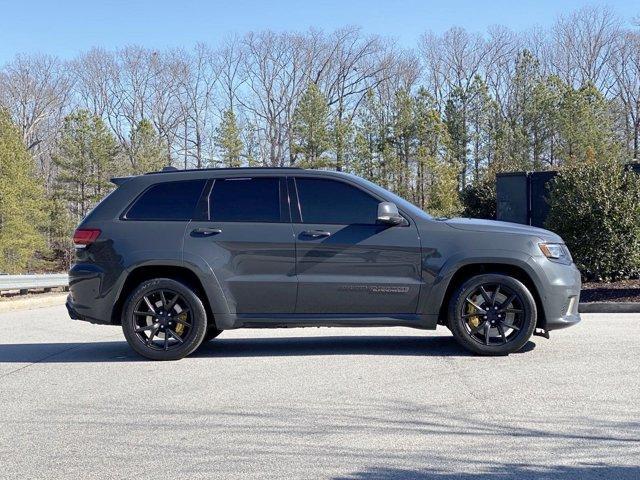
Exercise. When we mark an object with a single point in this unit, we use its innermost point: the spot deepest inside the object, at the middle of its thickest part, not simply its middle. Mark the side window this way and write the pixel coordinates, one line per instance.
(246, 200)
(167, 201)
(331, 201)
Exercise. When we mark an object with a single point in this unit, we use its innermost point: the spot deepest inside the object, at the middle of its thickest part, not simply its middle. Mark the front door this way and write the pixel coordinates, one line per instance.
(346, 262)
(248, 243)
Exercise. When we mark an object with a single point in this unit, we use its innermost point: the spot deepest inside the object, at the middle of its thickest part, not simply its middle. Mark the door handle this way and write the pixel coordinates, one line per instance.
(205, 231)
(316, 233)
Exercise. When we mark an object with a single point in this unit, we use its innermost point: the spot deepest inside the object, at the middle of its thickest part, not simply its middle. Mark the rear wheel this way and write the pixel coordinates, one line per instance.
(492, 314)
(164, 319)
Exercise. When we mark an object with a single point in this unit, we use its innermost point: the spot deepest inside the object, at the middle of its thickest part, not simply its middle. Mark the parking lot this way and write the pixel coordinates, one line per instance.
(76, 402)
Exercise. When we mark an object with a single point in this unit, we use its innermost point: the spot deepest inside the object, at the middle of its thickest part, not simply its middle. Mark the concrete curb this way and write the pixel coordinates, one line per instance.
(609, 307)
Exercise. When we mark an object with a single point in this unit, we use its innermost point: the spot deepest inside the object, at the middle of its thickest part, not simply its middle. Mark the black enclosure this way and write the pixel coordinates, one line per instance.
(512, 197)
(522, 196)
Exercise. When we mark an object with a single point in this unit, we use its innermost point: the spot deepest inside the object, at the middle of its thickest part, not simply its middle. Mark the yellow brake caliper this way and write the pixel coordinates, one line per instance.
(180, 327)
(475, 320)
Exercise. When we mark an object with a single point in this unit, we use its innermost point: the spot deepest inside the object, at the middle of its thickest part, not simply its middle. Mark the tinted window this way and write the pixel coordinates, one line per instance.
(167, 201)
(245, 200)
(330, 201)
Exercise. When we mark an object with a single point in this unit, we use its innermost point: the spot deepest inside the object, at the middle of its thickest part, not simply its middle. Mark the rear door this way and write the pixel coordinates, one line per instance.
(247, 240)
(346, 262)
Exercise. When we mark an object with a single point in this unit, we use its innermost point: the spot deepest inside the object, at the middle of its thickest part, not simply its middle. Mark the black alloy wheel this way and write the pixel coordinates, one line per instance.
(492, 314)
(164, 319)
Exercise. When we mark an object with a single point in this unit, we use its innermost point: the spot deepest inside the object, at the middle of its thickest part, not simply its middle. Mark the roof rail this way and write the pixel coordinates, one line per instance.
(171, 169)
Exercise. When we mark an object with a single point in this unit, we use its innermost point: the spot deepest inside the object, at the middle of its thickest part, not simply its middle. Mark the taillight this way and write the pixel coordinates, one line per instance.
(85, 236)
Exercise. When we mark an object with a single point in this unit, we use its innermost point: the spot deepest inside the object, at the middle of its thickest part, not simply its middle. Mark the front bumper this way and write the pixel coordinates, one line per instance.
(560, 295)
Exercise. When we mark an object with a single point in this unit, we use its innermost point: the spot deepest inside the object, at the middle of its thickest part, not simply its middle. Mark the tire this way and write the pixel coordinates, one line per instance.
(164, 319)
(483, 322)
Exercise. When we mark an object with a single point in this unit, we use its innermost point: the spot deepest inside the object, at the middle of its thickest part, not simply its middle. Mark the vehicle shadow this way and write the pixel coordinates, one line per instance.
(119, 351)
(508, 471)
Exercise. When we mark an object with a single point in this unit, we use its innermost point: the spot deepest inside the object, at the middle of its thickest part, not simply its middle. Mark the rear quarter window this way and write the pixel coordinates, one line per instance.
(167, 201)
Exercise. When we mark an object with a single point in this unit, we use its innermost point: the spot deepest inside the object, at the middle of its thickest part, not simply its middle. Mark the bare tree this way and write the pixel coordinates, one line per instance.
(196, 94)
(273, 80)
(625, 65)
(36, 90)
(94, 72)
(358, 63)
(583, 45)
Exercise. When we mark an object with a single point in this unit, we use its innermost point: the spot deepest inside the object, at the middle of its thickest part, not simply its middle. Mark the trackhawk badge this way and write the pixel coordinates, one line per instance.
(374, 288)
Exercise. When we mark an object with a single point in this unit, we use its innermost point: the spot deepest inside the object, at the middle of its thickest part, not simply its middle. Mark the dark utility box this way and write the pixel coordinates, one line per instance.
(522, 197)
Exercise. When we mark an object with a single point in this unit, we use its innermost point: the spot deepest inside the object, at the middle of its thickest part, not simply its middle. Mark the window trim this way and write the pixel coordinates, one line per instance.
(350, 184)
(283, 199)
(125, 212)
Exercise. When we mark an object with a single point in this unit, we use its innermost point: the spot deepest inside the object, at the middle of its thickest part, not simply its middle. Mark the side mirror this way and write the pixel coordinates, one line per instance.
(388, 214)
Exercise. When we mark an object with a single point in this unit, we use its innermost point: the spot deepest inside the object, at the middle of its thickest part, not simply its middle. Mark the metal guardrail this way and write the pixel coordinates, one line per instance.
(24, 283)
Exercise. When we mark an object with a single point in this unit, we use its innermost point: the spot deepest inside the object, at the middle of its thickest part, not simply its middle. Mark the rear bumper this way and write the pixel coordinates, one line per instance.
(92, 294)
(74, 314)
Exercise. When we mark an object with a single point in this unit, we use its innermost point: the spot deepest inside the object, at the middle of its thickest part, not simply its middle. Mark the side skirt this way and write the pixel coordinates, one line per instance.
(293, 320)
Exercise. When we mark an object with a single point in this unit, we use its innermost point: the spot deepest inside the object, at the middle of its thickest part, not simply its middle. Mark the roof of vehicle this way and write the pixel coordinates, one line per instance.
(177, 170)
(196, 172)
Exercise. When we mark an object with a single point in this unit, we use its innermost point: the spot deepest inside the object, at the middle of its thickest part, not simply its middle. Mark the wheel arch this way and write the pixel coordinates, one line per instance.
(469, 270)
(146, 272)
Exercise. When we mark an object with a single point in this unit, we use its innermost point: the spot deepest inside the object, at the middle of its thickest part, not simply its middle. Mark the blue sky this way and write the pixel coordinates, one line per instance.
(65, 27)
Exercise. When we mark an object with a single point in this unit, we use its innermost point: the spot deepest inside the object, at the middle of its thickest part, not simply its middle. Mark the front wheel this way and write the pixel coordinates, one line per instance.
(492, 314)
(164, 319)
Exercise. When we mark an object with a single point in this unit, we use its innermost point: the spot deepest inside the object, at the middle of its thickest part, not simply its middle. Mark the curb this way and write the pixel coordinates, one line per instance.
(609, 307)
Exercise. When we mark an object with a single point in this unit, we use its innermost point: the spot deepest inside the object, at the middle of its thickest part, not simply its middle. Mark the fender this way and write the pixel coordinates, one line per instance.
(431, 301)
(196, 265)
(215, 294)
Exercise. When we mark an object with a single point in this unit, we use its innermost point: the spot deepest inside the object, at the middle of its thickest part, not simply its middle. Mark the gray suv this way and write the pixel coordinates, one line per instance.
(176, 257)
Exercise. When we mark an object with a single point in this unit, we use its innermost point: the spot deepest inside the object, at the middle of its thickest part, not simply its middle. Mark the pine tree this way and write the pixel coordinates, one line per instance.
(147, 152)
(228, 140)
(22, 202)
(437, 175)
(60, 223)
(311, 127)
(456, 121)
(403, 136)
(478, 122)
(86, 161)
(366, 144)
(585, 126)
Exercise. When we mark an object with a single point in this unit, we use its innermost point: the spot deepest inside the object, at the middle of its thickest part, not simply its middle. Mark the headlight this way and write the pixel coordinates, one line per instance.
(555, 251)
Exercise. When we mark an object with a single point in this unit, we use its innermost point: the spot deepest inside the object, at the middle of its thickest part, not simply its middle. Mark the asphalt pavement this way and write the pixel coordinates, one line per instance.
(369, 403)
